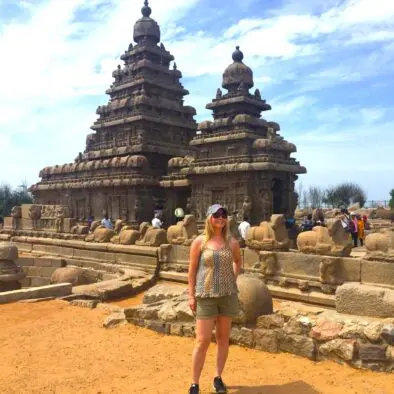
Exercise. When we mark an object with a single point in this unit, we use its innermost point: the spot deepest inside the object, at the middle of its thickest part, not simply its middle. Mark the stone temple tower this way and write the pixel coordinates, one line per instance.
(143, 126)
(241, 161)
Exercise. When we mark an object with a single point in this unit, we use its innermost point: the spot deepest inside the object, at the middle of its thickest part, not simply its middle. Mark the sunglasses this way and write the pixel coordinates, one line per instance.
(220, 214)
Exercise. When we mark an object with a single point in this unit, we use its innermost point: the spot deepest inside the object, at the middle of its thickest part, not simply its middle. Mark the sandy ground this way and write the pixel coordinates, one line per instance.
(52, 347)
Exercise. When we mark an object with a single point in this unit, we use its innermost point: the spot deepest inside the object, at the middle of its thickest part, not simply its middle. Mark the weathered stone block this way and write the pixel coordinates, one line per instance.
(297, 344)
(325, 330)
(90, 304)
(176, 329)
(377, 273)
(351, 331)
(41, 292)
(373, 330)
(183, 312)
(24, 261)
(110, 308)
(114, 320)
(270, 321)
(250, 258)
(357, 299)
(167, 313)
(297, 326)
(341, 348)
(39, 281)
(242, 336)
(299, 265)
(390, 353)
(158, 326)
(266, 340)
(368, 352)
(45, 262)
(388, 333)
(189, 330)
(161, 292)
(8, 251)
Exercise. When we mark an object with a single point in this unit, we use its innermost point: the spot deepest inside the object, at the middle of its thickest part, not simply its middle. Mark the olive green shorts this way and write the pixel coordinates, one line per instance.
(208, 308)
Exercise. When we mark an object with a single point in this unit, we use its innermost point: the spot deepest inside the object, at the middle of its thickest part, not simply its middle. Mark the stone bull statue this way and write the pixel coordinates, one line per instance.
(184, 232)
(332, 240)
(270, 235)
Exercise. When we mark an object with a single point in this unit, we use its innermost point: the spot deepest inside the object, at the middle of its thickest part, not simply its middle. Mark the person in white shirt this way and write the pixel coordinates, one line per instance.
(156, 222)
(106, 222)
(244, 227)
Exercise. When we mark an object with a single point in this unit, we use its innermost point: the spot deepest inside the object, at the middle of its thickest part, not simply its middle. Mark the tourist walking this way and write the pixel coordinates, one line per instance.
(243, 227)
(106, 222)
(354, 229)
(215, 262)
(156, 222)
(360, 229)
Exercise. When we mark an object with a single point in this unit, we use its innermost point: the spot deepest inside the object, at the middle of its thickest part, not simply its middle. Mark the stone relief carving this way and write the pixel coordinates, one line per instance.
(34, 212)
(247, 207)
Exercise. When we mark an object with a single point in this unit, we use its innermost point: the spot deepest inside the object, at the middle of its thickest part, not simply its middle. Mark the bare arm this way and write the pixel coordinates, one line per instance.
(236, 257)
(195, 251)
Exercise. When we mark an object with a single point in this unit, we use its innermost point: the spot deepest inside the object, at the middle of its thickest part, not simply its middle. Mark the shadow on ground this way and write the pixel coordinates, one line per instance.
(298, 387)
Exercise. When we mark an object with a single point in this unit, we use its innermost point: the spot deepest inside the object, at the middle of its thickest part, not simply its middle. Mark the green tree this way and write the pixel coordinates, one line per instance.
(345, 194)
(391, 202)
(9, 198)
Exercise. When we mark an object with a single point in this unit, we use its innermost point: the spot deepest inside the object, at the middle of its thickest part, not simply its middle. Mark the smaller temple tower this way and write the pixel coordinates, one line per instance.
(241, 160)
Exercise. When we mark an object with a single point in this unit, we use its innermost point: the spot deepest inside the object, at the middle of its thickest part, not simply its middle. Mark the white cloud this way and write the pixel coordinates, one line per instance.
(53, 62)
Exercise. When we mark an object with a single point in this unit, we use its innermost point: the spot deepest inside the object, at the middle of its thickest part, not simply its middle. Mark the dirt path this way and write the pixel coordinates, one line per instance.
(52, 347)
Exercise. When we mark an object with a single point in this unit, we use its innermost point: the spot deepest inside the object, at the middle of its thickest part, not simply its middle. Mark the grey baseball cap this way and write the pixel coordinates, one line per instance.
(214, 208)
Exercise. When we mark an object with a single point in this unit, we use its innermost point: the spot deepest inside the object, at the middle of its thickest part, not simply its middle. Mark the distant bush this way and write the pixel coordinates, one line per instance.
(344, 195)
(9, 198)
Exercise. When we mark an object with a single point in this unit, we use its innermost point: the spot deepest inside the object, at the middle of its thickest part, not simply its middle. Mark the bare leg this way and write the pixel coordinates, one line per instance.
(223, 329)
(203, 339)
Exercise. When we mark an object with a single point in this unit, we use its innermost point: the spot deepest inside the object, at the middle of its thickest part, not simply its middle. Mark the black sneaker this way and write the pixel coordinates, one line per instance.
(194, 389)
(219, 386)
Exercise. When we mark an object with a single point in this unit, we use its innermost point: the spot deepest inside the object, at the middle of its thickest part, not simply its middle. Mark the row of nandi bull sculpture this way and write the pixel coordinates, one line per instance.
(182, 233)
(331, 240)
(124, 234)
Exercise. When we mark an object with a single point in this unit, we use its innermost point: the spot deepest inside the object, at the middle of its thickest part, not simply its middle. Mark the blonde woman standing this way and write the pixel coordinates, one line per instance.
(215, 262)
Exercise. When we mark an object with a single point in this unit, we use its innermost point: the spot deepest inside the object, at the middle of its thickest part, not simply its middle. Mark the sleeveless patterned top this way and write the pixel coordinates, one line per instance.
(215, 274)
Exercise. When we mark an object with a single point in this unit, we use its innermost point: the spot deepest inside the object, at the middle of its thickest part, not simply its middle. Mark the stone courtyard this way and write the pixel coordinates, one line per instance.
(53, 347)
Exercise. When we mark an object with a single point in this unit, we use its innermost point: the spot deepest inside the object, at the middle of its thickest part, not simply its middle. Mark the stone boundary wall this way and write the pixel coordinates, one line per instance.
(360, 344)
(74, 252)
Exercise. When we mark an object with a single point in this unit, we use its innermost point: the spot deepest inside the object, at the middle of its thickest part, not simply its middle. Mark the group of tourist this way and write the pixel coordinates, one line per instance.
(107, 222)
(354, 224)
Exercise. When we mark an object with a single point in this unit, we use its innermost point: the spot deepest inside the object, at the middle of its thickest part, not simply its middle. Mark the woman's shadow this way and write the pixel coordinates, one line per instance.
(298, 387)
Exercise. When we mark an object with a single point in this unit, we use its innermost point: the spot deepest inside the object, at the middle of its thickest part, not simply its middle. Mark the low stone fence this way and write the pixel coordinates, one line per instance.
(306, 331)
(75, 252)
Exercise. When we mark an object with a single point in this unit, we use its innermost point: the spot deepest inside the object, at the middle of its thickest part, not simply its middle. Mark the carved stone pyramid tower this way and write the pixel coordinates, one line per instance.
(241, 161)
(143, 125)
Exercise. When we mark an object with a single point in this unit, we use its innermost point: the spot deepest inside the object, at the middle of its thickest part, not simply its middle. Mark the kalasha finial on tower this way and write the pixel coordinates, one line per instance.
(146, 10)
(237, 55)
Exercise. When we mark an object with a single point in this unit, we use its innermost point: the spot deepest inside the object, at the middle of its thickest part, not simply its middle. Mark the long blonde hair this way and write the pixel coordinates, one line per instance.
(209, 231)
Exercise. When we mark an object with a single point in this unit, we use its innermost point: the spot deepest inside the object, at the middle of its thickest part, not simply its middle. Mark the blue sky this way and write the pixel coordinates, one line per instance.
(325, 66)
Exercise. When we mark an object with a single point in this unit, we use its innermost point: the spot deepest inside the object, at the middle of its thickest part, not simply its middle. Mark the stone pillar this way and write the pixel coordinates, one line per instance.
(10, 273)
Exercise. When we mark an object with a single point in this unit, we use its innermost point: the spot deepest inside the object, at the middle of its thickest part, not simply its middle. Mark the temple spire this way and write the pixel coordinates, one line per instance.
(146, 10)
(238, 55)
